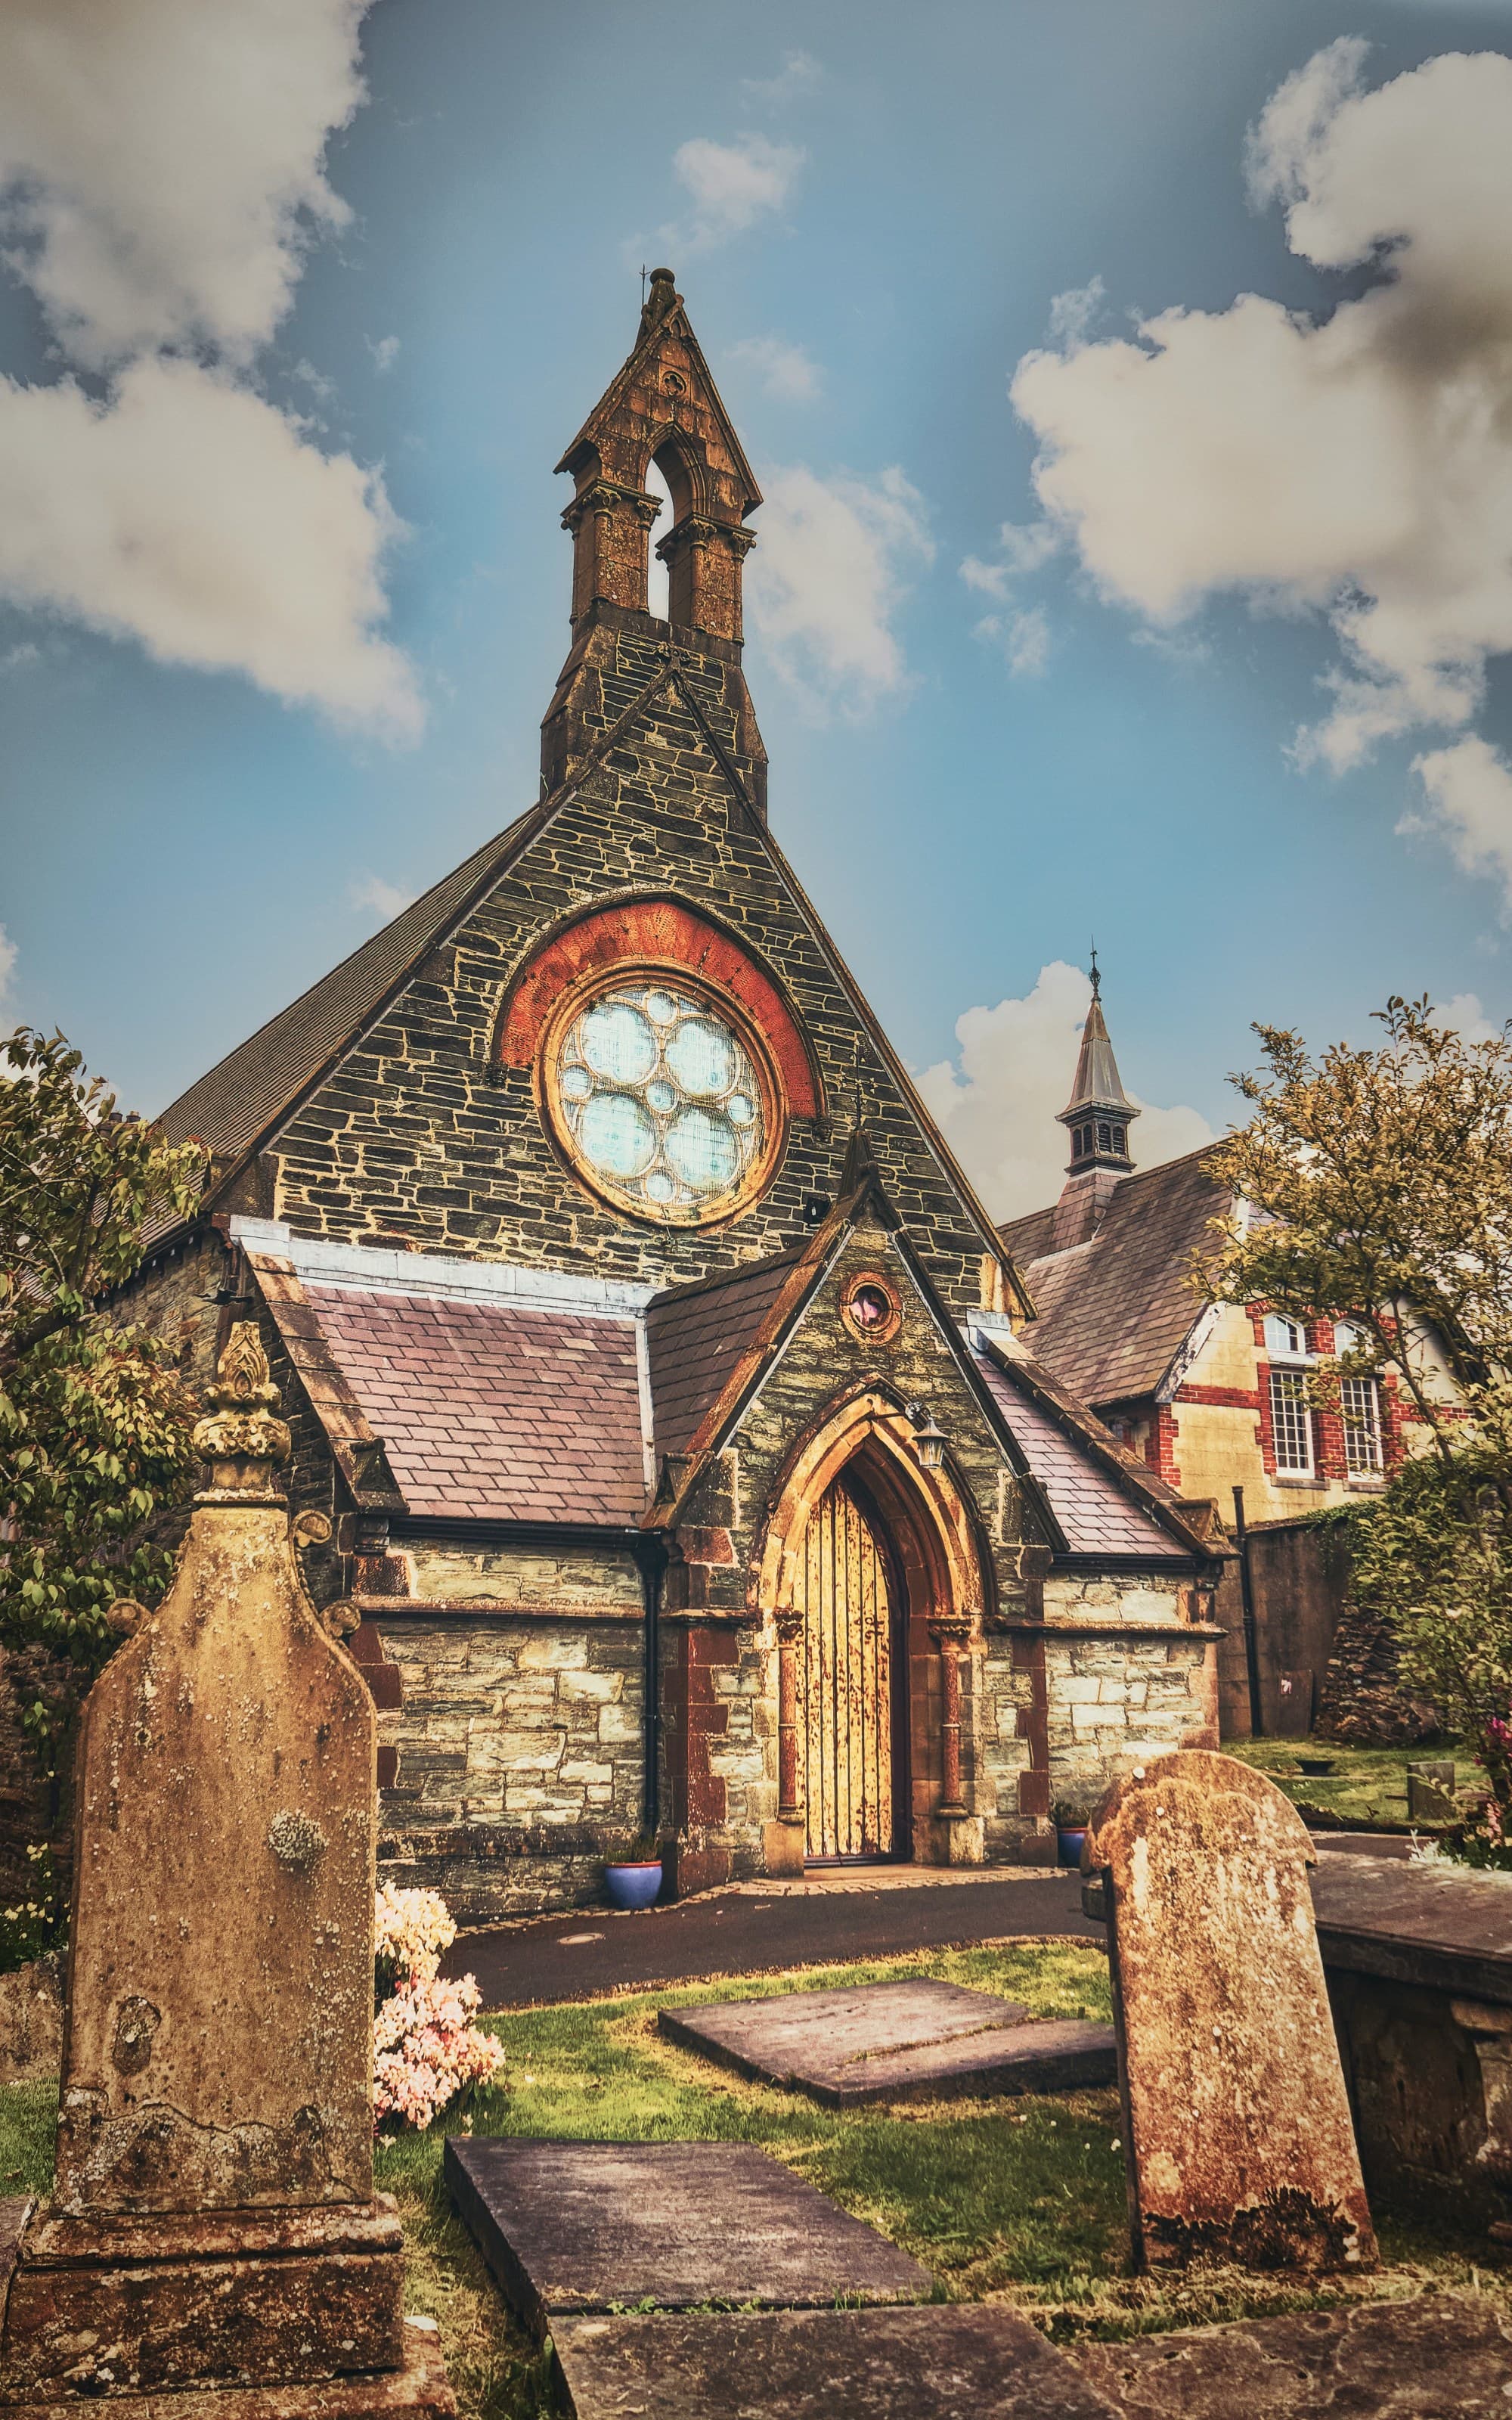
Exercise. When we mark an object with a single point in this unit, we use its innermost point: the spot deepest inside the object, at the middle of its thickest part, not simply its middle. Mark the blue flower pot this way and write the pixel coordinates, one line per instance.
(633, 1885)
(1069, 1843)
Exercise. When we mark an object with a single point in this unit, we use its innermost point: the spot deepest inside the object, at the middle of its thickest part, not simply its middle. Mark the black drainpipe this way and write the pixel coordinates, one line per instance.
(1246, 1592)
(651, 1555)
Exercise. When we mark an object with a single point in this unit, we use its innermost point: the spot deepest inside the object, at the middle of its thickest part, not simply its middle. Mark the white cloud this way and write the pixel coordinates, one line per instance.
(1071, 314)
(186, 513)
(164, 161)
(826, 584)
(1024, 638)
(785, 371)
(1359, 466)
(383, 898)
(385, 353)
(8, 964)
(161, 171)
(1466, 1015)
(1468, 788)
(732, 185)
(998, 1099)
(799, 75)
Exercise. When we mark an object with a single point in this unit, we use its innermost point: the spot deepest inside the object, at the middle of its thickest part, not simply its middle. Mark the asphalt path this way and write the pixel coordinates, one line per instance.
(592, 1950)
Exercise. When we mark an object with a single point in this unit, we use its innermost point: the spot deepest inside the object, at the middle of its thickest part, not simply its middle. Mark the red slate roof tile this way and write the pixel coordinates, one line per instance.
(495, 1414)
(1115, 1312)
(697, 1335)
(1098, 1515)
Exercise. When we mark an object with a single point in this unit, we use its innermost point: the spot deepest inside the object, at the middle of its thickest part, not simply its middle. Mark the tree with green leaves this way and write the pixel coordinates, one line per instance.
(1375, 1188)
(94, 1424)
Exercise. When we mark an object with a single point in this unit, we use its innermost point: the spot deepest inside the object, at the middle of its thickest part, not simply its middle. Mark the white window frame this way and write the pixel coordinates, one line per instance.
(1286, 1339)
(1291, 1424)
(1364, 1422)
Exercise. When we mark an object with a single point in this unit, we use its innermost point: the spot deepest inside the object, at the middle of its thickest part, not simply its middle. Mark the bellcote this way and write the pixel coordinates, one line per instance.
(664, 408)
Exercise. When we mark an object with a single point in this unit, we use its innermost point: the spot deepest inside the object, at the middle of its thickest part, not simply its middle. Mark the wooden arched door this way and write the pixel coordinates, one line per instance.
(854, 1681)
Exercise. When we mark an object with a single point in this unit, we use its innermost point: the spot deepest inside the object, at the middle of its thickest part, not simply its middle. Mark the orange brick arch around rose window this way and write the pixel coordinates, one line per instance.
(661, 932)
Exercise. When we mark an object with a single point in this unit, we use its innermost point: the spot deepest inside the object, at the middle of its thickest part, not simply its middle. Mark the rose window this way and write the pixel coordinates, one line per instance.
(661, 1103)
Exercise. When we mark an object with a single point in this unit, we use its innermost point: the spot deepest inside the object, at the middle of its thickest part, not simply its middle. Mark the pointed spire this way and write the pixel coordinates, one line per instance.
(1099, 1113)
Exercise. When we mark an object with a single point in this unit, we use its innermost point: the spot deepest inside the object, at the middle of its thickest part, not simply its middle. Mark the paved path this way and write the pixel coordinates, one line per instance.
(575, 1956)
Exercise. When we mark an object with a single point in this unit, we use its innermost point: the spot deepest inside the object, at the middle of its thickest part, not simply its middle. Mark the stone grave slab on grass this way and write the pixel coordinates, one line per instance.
(1442, 2357)
(895, 2042)
(598, 2226)
(939, 2363)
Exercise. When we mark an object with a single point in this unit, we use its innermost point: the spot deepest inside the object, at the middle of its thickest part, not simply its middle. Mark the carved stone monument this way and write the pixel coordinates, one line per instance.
(1236, 2120)
(213, 2222)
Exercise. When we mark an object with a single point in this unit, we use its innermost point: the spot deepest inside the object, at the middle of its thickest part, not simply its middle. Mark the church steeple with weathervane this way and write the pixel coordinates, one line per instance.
(1096, 1118)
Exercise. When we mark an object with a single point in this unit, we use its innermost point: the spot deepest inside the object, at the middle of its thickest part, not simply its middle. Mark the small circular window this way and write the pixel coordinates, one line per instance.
(661, 1102)
(870, 1309)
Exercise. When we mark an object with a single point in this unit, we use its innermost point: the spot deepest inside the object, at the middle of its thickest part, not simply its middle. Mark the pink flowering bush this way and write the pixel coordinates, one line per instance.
(426, 2047)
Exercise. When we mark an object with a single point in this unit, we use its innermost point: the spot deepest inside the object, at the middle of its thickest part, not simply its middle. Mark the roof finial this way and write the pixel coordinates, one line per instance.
(1097, 979)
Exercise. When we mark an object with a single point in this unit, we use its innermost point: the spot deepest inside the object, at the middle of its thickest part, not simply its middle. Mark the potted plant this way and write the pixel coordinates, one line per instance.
(632, 1876)
(1072, 1817)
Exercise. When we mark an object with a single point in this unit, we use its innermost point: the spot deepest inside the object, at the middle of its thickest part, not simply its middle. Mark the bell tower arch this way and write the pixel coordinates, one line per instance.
(661, 409)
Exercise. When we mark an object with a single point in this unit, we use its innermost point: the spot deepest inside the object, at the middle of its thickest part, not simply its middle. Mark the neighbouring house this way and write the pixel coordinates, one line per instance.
(671, 1454)
(1213, 1397)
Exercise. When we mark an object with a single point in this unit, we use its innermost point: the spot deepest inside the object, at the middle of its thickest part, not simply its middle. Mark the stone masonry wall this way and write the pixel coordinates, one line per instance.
(416, 1134)
(520, 1757)
(1118, 1699)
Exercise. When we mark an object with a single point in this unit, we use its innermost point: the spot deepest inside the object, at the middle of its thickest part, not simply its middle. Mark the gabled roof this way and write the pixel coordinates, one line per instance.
(444, 1397)
(1115, 1312)
(1105, 1503)
(234, 1106)
(698, 1337)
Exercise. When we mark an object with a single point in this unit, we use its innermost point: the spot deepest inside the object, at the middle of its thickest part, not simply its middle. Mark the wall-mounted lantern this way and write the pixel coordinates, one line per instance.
(928, 1437)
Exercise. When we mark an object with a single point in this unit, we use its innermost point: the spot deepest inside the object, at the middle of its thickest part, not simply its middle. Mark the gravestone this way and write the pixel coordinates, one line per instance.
(1236, 2119)
(943, 2362)
(601, 2226)
(918, 2040)
(1430, 1790)
(213, 2222)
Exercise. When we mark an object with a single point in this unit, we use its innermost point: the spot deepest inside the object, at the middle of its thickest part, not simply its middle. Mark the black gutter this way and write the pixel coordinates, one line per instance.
(652, 1557)
(1246, 1595)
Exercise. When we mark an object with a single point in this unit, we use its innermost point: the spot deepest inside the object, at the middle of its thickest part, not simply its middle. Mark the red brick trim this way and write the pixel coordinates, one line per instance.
(1237, 1399)
(1160, 1445)
(658, 932)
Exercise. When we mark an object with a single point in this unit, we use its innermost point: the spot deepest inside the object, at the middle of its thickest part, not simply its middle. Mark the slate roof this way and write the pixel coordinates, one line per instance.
(485, 1414)
(1115, 1312)
(697, 1337)
(1097, 1507)
(230, 1107)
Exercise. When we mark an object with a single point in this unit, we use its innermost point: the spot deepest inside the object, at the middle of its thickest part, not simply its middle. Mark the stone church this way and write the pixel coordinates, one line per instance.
(668, 1441)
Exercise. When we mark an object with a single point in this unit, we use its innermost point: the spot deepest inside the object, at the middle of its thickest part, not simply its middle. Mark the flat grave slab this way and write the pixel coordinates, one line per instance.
(895, 2042)
(1442, 2357)
(600, 2227)
(941, 2363)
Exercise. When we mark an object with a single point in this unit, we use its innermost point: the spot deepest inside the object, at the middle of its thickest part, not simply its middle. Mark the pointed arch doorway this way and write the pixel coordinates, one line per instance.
(848, 1593)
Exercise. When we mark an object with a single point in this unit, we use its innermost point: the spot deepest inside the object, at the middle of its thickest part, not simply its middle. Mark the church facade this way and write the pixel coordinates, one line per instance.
(668, 1440)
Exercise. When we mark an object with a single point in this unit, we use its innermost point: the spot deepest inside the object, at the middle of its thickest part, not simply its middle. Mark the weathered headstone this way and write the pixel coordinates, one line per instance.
(1430, 1790)
(1237, 2123)
(213, 2222)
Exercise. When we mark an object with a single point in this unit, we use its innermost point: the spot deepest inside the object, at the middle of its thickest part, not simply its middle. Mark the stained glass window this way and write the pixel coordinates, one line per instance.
(661, 1100)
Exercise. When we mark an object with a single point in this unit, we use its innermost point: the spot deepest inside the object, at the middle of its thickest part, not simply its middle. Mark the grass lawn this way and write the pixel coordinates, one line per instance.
(1366, 1782)
(1014, 2200)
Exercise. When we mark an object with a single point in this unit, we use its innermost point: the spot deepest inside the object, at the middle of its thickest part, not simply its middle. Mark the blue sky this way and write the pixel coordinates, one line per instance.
(288, 593)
